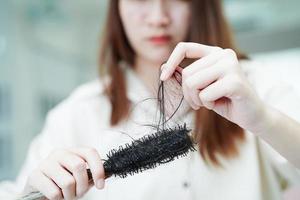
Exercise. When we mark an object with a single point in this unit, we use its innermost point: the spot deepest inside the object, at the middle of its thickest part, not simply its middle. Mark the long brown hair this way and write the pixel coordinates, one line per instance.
(216, 135)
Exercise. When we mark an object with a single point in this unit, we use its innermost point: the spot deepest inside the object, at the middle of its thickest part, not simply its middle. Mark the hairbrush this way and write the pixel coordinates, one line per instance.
(145, 153)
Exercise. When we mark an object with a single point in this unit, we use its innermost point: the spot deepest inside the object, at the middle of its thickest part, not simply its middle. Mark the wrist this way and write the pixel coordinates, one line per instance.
(267, 121)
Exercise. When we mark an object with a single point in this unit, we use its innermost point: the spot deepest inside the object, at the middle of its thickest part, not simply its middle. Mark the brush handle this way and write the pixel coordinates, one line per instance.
(36, 195)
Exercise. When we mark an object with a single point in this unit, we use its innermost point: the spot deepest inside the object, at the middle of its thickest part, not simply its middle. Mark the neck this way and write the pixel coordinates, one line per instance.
(148, 73)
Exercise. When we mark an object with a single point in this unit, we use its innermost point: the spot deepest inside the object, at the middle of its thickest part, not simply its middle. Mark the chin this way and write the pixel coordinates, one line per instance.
(159, 57)
(159, 60)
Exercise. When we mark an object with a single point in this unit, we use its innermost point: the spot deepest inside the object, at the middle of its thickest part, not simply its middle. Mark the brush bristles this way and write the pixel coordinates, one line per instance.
(149, 152)
(145, 153)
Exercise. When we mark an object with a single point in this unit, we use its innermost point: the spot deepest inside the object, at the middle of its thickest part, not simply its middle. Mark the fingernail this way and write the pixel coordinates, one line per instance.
(163, 75)
(163, 72)
(100, 184)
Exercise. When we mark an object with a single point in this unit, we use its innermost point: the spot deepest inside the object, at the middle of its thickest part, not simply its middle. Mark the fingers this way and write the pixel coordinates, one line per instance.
(182, 51)
(45, 185)
(204, 78)
(217, 90)
(93, 160)
(194, 83)
(63, 174)
(77, 167)
(62, 178)
(214, 64)
(194, 103)
(214, 92)
(202, 63)
(230, 87)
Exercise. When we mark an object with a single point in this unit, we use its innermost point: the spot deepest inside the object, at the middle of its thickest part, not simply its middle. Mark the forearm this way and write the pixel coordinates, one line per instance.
(283, 134)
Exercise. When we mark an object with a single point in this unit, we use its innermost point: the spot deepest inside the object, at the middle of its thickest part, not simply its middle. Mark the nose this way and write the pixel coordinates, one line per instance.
(158, 15)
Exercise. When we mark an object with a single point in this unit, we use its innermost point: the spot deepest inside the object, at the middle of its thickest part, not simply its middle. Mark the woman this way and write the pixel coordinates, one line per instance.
(231, 163)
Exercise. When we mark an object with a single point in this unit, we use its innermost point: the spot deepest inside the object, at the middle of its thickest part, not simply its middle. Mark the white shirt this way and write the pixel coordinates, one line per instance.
(83, 120)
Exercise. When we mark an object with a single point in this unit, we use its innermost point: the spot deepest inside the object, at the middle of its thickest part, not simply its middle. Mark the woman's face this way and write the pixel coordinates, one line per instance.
(154, 27)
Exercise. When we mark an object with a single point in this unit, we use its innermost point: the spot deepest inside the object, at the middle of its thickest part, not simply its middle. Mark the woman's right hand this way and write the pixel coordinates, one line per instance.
(63, 174)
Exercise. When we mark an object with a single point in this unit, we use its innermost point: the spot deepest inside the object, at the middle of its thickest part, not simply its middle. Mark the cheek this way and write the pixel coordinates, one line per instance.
(131, 21)
(181, 23)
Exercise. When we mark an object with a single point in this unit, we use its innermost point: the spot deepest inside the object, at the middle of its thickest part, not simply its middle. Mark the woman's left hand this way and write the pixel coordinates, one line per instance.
(216, 81)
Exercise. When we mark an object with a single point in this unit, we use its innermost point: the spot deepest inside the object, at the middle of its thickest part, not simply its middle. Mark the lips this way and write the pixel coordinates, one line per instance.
(160, 40)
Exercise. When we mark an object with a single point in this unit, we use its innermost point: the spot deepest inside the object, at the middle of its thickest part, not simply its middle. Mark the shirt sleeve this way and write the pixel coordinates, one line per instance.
(57, 133)
(286, 99)
(275, 90)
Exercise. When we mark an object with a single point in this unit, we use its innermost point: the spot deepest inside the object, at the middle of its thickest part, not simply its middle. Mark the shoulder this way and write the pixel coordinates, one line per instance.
(275, 85)
(86, 97)
(266, 77)
(87, 91)
(69, 123)
(85, 111)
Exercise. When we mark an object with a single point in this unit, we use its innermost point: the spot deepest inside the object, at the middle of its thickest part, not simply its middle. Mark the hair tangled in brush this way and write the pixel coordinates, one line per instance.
(149, 152)
(152, 150)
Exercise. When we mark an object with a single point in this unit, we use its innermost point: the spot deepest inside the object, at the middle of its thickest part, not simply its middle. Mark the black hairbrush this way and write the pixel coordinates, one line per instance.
(145, 153)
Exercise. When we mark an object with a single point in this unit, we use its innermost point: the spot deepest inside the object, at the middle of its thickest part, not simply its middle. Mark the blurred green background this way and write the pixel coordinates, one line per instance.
(48, 47)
